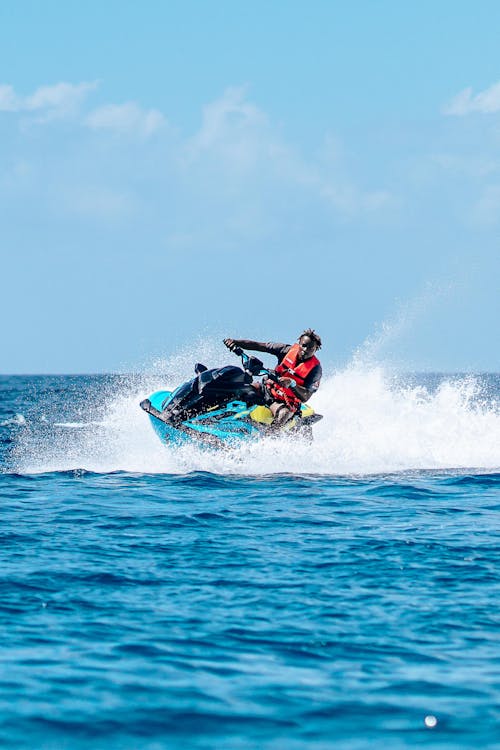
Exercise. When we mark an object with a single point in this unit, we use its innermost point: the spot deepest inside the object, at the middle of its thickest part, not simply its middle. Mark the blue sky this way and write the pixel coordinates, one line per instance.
(170, 170)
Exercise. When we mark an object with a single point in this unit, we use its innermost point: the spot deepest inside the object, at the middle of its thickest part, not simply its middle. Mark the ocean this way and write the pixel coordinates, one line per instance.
(280, 595)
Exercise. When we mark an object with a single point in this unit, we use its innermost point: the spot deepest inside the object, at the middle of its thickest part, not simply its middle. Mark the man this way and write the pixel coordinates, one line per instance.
(299, 372)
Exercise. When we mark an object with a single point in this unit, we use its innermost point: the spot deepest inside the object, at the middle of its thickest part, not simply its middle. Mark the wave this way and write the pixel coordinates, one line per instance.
(17, 420)
(374, 422)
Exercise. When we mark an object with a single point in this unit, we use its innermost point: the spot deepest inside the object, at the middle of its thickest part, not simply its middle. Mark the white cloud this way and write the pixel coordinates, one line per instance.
(238, 158)
(65, 99)
(50, 102)
(232, 128)
(465, 102)
(126, 118)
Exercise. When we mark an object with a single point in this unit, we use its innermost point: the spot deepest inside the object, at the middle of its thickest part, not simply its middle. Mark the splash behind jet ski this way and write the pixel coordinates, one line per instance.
(221, 406)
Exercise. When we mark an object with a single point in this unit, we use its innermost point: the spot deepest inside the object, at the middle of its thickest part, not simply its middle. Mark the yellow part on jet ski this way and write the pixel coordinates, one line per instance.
(261, 414)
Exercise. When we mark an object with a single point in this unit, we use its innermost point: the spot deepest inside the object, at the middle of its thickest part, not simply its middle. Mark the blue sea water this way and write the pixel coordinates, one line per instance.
(340, 595)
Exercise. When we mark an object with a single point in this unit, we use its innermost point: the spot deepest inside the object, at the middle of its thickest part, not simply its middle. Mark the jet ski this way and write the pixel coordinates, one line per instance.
(221, 406)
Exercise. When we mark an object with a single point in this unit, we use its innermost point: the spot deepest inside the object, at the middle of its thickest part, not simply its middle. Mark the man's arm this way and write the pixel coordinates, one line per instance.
(279, 350)
(313, 380)
(311, 384)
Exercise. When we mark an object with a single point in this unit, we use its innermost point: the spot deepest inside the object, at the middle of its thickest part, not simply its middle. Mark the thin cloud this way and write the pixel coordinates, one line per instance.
(126, 118)
(237, 139)
(472, 166)
(350, 201)
(98, 202)
(465, 102)
(49, 102)
(8, 99)
(486, 212)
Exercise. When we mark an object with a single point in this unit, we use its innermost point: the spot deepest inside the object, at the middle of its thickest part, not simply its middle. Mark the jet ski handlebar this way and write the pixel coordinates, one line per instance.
(253, 365)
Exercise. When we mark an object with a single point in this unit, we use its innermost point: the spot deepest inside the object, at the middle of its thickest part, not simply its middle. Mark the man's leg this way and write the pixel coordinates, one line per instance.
(281, 413)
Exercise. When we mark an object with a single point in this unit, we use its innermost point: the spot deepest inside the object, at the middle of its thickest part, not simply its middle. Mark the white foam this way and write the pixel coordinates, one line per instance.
(79, 425)
(18, 420)
(372, 423)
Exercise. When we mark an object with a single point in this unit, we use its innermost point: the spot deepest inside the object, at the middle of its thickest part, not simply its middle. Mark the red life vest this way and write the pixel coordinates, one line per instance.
(298, 371)
(288, 367)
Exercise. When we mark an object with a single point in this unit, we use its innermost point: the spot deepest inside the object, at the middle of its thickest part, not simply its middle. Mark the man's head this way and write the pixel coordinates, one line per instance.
(309, 343)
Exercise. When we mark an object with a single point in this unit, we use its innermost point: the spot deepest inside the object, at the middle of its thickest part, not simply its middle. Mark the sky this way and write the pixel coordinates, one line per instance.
(177, 170)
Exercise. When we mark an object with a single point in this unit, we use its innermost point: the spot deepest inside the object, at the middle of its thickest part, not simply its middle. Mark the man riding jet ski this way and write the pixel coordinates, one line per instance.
(224, 404)
(299, 372)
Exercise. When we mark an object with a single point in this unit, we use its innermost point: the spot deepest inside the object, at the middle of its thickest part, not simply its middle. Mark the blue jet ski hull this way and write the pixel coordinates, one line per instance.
(225, 424)
(220, 426)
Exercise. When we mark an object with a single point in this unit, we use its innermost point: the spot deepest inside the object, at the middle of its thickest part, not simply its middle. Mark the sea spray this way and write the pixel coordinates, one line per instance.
(374, 422)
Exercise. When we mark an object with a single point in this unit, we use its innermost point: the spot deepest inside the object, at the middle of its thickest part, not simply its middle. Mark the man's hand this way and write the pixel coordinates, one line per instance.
(231, 344)
(288, 382)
